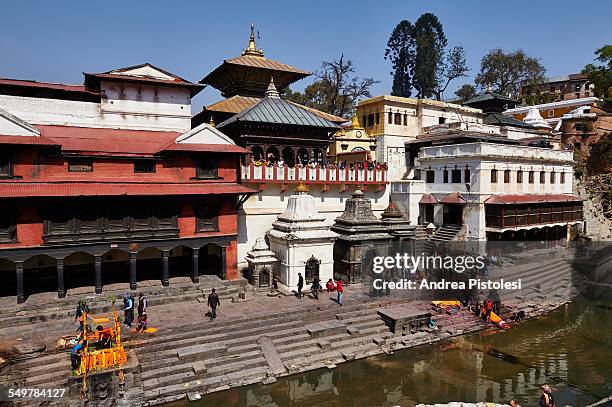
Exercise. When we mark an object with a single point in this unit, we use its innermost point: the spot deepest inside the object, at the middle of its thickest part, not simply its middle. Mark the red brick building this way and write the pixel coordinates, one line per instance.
(105, 183)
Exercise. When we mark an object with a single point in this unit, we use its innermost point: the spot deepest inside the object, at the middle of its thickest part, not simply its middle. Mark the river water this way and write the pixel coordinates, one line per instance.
(570, 349)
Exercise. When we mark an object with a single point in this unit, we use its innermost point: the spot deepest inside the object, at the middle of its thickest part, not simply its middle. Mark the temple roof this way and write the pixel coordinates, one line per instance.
(236, 104)
(275, 110)
(248, 74)
(490, 102)
(499, 119)
(358, 222)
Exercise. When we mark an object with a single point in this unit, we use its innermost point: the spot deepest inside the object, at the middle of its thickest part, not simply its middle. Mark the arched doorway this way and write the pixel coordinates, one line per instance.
(8, 276)
(265, 277)
(149, 265)
(210, 260)
(180, 262)
(311, 269)
(116, 269)
(303, 156)
(289, 156)
(79, 270)
(39, 275)
(272, 154)
(257, 153)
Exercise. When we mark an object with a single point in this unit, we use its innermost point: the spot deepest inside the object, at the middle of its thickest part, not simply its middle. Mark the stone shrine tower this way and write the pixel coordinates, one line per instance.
(302, 241)
(361, 237)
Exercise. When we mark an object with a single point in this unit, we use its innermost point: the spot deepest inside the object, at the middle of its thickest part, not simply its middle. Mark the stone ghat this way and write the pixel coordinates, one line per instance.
(260, 351)
(193, 360)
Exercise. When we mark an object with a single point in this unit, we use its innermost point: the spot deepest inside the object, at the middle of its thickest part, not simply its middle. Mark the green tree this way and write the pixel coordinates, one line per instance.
(601, 75)
(419, 59)
(336, 90)
(454, 67)
(400, 51)
(430, 43)
(465, 92)
(506, 72)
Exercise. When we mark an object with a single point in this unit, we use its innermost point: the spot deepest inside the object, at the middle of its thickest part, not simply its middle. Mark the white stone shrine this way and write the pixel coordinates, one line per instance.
(302, 241)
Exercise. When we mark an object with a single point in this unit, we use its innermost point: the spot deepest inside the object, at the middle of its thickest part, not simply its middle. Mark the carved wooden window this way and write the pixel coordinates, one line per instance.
(531, 177)
(494, 176)
(519, 177)
(207, 217)
(206, 168)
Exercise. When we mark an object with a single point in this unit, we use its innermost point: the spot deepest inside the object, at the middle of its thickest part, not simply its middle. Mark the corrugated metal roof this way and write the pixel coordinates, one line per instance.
(453, 198)
(47, 85)
(428, 199)
(489, 96)
(503, 120)
(213, 148)
(531, 198)
(28, 140)
(278, 111)
(40, 189)
(325, 115)
(110, 141)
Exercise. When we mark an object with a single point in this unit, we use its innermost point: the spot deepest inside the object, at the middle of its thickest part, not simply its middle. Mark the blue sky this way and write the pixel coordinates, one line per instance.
(57, 40)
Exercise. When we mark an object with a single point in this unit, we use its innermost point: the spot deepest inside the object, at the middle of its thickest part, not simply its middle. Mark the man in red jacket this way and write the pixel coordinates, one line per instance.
(340, 289)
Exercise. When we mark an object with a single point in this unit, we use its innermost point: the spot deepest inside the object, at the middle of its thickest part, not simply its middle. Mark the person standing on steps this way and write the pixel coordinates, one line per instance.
(316, 287)
(300, 285)
(213, 302)
(142, 305)
(340, 289)
(128, 308)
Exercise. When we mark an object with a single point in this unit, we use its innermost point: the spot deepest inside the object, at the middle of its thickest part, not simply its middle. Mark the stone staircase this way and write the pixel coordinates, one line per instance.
(443, 235)
(23, 320)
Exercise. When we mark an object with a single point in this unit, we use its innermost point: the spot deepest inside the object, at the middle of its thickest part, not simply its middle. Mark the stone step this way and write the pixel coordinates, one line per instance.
(236, 366)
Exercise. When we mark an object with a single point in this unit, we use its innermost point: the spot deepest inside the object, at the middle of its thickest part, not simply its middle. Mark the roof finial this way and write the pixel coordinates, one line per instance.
(271, 92)
(251, 49)
(211, 121)
(301, 188)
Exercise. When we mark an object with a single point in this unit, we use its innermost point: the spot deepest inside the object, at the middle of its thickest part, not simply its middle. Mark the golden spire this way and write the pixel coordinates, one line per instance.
(211, 122)
(251, 49)
(301, 187)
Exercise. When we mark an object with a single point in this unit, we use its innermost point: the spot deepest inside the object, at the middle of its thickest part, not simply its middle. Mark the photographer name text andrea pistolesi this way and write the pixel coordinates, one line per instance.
(405, 284)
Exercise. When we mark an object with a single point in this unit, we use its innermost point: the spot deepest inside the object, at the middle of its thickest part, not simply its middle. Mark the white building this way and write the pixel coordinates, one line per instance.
(394, 120)
(485, 179)
(302, 241)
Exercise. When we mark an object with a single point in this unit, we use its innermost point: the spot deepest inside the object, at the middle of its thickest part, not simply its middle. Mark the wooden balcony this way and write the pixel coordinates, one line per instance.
(285, 176)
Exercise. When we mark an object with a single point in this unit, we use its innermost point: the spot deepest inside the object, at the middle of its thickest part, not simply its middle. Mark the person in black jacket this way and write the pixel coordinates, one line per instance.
(213, 302)
(300, 285)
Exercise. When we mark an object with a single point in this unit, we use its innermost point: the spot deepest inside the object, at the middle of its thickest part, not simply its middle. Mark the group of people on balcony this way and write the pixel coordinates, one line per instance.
(369, 164)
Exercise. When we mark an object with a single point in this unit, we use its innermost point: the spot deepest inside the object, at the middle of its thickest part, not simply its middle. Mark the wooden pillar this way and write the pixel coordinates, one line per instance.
(98, 271)
(19, 274)
(195, 266)
(133, 282)
(223, 263)
(165, 268)
(61, 292)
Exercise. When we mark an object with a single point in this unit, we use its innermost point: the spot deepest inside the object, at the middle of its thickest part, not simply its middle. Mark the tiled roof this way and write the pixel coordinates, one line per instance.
(530, 198)
(48, 189)
(278, 111)
(265, 63)
(233, 104)
(428, 199)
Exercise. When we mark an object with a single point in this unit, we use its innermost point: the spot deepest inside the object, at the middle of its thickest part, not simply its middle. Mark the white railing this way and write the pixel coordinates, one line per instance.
(254, 173)
(496, 150)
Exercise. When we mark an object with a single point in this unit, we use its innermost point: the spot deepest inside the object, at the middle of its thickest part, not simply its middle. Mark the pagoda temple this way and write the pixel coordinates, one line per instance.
(244, 80)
